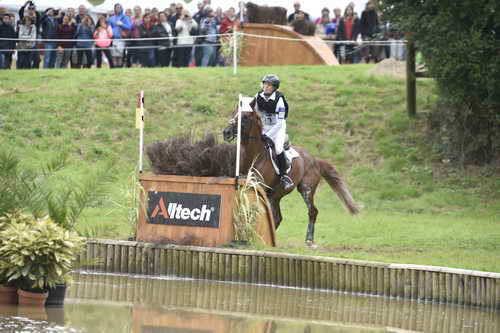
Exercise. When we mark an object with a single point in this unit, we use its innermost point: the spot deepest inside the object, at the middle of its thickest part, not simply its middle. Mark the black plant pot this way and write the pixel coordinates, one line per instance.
(56, 295)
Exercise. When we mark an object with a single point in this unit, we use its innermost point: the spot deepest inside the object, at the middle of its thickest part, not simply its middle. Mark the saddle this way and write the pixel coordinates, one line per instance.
(290, 153)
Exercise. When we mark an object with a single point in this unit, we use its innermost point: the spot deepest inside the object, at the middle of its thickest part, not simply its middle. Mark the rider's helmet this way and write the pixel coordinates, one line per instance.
(272, 79)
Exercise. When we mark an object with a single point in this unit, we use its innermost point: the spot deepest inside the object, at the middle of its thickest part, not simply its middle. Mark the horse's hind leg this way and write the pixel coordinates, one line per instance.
(307, 192)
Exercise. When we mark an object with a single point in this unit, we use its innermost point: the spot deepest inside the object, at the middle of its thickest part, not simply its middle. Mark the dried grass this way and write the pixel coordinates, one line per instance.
(184, 156)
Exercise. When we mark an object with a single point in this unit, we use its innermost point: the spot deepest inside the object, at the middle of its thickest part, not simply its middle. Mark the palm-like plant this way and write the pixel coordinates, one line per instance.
(24, 191)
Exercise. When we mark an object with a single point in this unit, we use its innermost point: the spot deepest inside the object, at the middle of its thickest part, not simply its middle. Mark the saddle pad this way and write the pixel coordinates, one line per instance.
(290, 155)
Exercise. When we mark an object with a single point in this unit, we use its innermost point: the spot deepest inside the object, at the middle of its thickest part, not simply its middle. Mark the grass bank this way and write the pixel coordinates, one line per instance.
(417, 208)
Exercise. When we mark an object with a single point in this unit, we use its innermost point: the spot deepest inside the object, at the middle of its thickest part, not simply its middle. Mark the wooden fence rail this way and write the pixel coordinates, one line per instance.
(430, 283)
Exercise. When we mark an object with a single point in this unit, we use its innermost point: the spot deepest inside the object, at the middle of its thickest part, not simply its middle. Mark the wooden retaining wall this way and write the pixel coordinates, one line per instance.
(429, 283)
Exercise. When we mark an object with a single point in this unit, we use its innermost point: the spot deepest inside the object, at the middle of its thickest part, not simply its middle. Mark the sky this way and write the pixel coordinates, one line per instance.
(311, 7)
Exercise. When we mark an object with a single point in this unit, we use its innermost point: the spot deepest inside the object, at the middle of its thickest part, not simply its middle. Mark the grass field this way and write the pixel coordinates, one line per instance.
(417, 208)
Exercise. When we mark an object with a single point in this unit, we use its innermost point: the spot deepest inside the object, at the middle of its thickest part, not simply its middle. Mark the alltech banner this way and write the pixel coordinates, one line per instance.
(185, 209)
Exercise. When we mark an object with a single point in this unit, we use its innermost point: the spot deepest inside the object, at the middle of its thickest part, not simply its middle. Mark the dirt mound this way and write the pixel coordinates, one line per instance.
(389, 67)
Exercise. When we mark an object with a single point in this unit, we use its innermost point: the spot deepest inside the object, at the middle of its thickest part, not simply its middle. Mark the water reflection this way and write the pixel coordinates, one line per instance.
(112, 303)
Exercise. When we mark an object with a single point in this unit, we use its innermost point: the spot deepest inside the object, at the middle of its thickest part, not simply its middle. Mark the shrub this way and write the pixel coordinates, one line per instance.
(38, 253)
(459, 41)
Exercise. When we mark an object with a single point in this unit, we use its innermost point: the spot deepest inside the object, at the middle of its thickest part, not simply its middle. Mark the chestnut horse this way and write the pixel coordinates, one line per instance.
(306, 171)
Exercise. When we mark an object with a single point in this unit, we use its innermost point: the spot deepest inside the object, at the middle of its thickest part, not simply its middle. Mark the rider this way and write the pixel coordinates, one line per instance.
(273, 109)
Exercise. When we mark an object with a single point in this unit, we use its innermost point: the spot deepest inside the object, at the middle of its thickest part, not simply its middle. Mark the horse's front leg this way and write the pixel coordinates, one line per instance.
(307, 193)
(275, 207)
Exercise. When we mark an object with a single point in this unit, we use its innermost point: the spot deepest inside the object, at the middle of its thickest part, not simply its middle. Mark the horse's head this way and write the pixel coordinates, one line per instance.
(251, 126)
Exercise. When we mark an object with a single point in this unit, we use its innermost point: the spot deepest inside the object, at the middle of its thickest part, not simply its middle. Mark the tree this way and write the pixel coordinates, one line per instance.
(460, 42)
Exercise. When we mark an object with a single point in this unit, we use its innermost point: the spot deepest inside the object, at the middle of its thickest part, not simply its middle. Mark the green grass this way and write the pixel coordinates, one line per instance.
(417, 208)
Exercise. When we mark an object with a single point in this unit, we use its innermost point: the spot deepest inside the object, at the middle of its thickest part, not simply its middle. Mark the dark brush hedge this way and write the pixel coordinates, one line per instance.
(460, 42)
(265, 14)
(185, 156)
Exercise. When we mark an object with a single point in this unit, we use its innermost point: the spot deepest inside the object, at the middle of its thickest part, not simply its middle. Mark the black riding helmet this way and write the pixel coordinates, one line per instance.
(272, 79)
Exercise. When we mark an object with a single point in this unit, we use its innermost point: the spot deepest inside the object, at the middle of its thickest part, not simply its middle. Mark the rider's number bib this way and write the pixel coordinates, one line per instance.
(270, 119)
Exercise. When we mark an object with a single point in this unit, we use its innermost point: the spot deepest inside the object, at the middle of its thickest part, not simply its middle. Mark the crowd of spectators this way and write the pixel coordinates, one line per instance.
(347, 25)
(150, 37)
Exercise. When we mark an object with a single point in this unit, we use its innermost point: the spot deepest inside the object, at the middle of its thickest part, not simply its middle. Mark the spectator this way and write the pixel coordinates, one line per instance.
(7, 46)
(29, 9)
(72, 15)
(49, 31)
(172, 11)
(198, 17)
(227, 24)
(209, 28)
(219, 16)
(130, 34)
(103, 36)
(26, 44)
(65, 30)
(154, 15)
(323, 23)
(296, 6)
(82, 11)
(185, 41)
(348, 29)
(84, 32)
(146, 31)
(200, 14)
(337, 15)
(121, 25)
(163, 30)
(177, 15)
(369, 29)
(133, 54)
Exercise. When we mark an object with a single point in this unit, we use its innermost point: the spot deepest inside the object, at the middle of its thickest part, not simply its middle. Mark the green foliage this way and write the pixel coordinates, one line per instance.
(22, 189)
(66, 205)
(38, 253)
(25, 191)
(459, 42)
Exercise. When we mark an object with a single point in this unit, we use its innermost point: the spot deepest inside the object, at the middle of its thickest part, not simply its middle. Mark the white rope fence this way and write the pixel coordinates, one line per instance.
(234, 35)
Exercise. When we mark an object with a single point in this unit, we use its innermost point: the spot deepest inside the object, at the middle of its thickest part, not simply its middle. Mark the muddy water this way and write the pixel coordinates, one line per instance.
(123, 303)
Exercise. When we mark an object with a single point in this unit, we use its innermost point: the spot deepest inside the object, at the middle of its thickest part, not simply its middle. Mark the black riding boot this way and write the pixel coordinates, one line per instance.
(286, 182)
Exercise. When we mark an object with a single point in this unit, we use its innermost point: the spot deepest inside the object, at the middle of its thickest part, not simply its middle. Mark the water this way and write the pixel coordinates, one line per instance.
(123, 303)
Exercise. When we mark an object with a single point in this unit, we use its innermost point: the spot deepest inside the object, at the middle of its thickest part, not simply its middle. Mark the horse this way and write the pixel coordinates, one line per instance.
(306, 172)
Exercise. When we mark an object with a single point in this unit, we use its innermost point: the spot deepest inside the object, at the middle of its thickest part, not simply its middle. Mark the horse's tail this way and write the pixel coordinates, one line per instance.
(331, 175)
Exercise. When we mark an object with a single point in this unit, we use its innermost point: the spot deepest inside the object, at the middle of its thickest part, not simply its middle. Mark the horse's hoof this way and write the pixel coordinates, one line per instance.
(311, 245)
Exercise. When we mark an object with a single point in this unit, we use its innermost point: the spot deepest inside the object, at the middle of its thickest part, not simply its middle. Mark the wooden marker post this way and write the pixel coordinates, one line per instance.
(243, 106)
(139, 124)
(238, 139)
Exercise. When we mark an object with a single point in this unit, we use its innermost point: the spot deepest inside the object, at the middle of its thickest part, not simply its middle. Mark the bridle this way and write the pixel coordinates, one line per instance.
(233, 122)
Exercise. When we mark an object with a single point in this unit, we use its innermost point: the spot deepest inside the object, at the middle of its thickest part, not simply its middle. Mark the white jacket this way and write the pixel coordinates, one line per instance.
(27, 32)
(183, 28)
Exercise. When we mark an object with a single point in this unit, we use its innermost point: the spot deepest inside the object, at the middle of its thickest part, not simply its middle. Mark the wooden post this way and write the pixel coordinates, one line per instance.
(411, 80)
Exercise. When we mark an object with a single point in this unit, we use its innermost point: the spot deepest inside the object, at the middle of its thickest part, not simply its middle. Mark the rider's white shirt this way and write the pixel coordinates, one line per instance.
(274, 124)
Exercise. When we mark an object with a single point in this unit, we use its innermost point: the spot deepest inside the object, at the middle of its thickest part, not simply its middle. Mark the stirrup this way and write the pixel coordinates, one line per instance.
(286, 182)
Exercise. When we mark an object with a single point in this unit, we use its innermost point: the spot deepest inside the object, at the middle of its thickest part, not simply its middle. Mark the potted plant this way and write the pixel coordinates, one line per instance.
(8, 289)
(38, 254)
